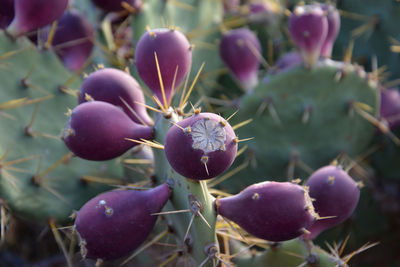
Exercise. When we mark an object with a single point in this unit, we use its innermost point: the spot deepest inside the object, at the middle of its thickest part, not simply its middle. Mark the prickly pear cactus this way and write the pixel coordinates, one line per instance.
(303, 119)
(40, 179)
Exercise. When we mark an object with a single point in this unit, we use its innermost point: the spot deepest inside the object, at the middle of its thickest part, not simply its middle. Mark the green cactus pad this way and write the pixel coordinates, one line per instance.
(38, 178)
(305, 116)
(290, 253)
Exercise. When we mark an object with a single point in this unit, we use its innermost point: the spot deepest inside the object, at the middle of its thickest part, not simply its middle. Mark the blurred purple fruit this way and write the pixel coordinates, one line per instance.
(115, 223)
(6, 13)
(287, 61)
(390, 107)
(116, 5)
(204, 149)
(270, 210)
(112, 85)
(33, 14)
(173, 53)
(73, 39)
(98, 130)
(308, 28)
(335, 194)
(333, 18)
(241, 51)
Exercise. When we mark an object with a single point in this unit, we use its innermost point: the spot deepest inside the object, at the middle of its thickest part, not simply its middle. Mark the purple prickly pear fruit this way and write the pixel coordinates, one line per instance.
(390, 107)
(98, 130)
(270, 210)
(287, 61)
(112, 85)
(115, 223)
(6, 13)
(333, 18)
(116, 5)
(33, 14)
(335, 194)
(308, 28)
(240, 50)
(201, 146)
(173, 53)
(73, 39)
(261, 12)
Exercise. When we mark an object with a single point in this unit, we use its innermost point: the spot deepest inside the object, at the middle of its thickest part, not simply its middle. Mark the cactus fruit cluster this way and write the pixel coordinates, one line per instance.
(163, 133)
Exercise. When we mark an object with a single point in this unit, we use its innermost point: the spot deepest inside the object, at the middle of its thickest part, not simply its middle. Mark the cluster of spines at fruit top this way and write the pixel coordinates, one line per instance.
(188, 151)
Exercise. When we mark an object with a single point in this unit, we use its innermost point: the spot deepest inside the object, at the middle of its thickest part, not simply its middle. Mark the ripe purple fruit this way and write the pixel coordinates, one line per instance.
(270, 210)
(33, 14)
(202, 147)
(112, 85)
(333, 18)
(287, 61)
(173, 53)
(73, 39)
(6, 13)
(390, 107)
(308, 28)
(240, 50)
(335, 193)
(98, 130)
(115, 223)
(116, 5)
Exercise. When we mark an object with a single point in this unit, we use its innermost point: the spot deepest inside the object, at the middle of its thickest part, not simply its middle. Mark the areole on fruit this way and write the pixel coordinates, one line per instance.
(201, 146)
